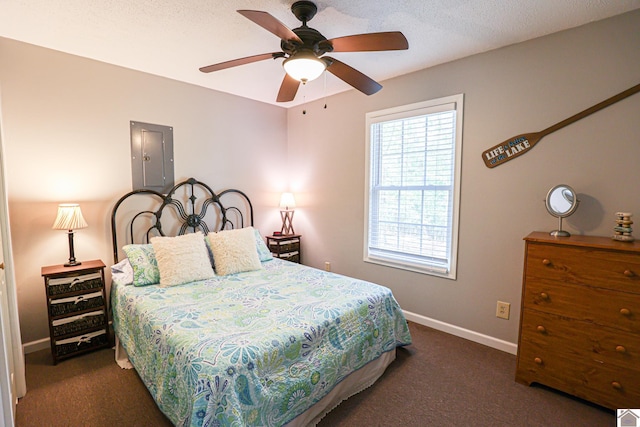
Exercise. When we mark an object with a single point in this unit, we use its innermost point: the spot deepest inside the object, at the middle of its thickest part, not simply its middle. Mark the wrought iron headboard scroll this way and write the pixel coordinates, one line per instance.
(190, 210)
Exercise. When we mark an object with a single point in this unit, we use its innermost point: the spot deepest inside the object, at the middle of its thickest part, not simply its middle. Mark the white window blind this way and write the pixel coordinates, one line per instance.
(413, 186)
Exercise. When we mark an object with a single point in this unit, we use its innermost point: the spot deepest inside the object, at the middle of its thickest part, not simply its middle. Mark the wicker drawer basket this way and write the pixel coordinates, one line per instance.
(65, 285)
(81, 322)
(75, 304)
(285, 246)
(83, 342)
(291, 256)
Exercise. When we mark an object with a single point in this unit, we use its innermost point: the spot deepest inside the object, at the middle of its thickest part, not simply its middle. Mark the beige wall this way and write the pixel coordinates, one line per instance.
(522, 88)
(66, 129)
(66, 126)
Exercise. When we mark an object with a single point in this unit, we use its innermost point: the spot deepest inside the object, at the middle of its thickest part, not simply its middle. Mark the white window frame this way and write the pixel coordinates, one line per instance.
(456, 103)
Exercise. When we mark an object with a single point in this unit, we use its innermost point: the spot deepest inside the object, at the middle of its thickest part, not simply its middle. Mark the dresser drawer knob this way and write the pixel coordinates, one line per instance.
(625, 312)
(541, 329)
(616, 385)
(546, 261)
(629, 273)
(538, 361)
(621, 349)
(544, 295)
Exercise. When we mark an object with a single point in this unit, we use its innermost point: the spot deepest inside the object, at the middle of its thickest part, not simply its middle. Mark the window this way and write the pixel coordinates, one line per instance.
(413, 186)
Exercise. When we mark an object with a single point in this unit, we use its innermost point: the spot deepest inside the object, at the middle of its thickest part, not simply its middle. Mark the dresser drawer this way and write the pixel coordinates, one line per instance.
(619, 310)
(82, 282)
(580, 341)
(81, 343)
(285, 246)
(79, 323)
(62, 306)
(593, 381)
(291, 256)
(584, 266)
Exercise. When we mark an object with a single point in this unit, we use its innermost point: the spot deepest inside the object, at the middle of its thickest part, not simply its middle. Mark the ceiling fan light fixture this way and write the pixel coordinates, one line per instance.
(304, 67)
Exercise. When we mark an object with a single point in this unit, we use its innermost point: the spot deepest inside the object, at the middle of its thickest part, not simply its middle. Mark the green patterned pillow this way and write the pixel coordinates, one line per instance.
(263, 251)
(145, 266)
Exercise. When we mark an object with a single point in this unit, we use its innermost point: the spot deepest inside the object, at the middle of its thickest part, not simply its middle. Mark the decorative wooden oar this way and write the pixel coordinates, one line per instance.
(518, 145)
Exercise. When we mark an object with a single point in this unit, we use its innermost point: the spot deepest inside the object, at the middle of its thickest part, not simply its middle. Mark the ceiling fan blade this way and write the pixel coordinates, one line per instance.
(392, 40)
(352, 76)
(271, 24)
(288, 89)
(239, 61)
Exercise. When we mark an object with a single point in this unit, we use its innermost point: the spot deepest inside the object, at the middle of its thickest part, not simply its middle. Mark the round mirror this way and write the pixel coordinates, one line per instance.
(561, 202)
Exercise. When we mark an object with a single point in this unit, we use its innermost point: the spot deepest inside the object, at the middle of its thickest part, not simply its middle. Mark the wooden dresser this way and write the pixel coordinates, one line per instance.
(580, 318)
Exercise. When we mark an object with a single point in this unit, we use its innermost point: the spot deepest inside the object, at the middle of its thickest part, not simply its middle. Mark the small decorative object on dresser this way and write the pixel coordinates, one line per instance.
(76, 303)
(285, 247)
(580, 318)
(623, 228)
(561, 202)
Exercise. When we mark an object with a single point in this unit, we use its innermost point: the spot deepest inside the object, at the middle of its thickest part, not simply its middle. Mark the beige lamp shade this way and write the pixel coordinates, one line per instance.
(69, 217)
(287, 201)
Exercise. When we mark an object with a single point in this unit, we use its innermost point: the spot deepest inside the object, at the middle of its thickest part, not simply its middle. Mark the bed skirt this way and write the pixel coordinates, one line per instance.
(122, 359)
(353, 384)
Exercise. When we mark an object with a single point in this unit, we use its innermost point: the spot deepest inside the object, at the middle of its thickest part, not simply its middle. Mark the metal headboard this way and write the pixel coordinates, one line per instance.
(189, 201)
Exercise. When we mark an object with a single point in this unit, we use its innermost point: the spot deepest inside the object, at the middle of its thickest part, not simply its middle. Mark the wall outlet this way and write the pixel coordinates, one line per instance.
(503, 309)
(327, 266)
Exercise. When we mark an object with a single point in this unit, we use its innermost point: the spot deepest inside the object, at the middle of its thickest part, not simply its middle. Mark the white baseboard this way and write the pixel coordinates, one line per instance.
(462, 333)
(38, 345)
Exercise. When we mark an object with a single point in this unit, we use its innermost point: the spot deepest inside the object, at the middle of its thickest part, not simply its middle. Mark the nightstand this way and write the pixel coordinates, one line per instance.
(285, 247)
(77, 308)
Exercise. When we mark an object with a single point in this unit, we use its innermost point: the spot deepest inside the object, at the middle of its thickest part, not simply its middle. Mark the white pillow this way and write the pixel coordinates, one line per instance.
(122, 272)
(234, 251)
(182, 259)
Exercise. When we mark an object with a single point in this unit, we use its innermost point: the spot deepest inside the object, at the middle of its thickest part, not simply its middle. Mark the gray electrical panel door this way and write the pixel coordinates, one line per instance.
(152, 157)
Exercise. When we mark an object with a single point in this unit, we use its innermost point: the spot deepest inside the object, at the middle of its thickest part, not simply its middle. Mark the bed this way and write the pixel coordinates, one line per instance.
(273, 344)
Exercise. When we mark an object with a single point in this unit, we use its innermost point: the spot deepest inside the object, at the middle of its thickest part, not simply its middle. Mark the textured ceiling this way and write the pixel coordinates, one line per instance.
(174, 38)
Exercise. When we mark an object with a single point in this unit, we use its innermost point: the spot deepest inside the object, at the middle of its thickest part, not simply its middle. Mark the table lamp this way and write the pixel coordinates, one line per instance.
(287, 202)
(70, 218)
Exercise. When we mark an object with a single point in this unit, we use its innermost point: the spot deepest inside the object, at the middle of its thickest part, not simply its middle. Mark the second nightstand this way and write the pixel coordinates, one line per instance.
(285, 247)
(77, 307)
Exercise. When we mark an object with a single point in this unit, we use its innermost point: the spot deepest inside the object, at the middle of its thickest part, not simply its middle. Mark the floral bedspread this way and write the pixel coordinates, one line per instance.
(255, 348)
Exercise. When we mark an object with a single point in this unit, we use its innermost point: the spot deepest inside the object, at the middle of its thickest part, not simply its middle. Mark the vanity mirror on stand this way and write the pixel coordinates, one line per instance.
(561, 202)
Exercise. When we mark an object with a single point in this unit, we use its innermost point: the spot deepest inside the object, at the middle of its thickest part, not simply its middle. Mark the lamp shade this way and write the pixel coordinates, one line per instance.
(69, 217)
(287, 201)
(304, 67)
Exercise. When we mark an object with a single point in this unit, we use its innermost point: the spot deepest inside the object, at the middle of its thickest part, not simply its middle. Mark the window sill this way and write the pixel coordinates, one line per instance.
(431, 271)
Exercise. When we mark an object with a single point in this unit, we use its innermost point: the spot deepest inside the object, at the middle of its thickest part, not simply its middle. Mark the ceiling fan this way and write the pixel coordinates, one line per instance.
(304, 49)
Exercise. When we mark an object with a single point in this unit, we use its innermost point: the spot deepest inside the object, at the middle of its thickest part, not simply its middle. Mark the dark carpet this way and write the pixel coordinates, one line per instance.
(440, 380)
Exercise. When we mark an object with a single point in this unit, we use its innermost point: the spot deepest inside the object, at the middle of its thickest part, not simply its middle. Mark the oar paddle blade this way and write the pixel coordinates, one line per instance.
(510, 149)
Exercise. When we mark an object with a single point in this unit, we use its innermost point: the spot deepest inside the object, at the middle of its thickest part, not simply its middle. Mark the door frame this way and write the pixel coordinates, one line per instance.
(11, 352)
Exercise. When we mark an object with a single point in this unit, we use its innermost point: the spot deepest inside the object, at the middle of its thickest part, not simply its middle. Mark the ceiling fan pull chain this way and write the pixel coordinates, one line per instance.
(325, 91)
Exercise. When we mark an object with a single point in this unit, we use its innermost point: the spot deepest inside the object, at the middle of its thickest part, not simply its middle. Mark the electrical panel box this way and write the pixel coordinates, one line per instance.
(152, 157)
